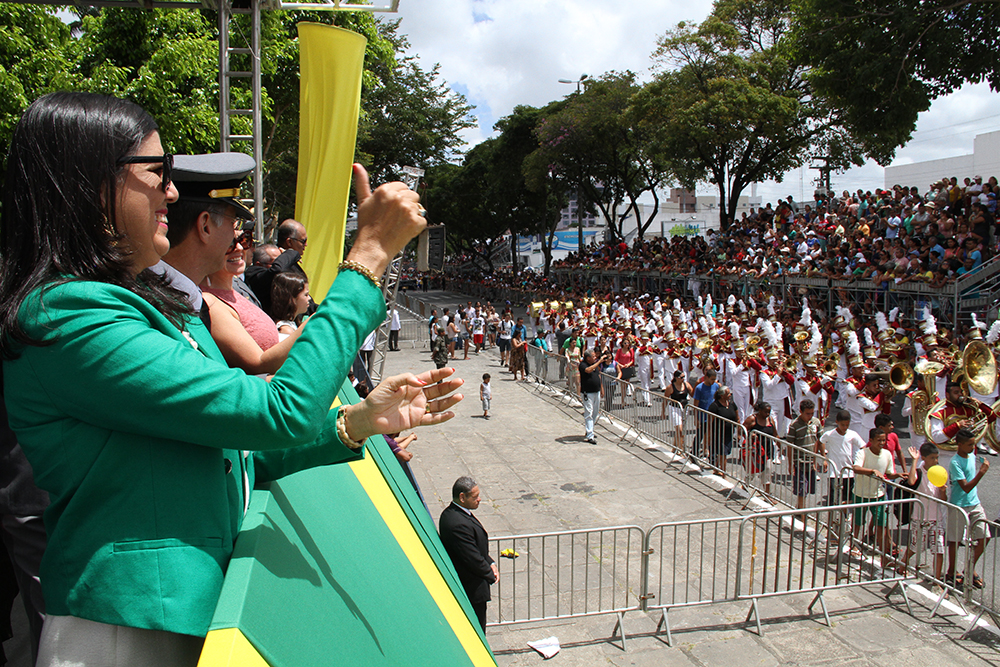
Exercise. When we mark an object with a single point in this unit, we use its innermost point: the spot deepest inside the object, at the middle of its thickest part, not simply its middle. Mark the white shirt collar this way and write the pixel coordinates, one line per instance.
(181, 282)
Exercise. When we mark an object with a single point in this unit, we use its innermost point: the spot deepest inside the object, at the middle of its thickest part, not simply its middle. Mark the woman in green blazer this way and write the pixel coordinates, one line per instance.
(147, 443)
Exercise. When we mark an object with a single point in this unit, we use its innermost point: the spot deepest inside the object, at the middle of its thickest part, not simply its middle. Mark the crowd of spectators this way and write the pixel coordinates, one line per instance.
(889, 237)
(895, 235)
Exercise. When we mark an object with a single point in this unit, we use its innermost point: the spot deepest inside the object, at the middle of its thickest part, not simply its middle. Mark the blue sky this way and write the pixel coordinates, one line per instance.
(501, 53)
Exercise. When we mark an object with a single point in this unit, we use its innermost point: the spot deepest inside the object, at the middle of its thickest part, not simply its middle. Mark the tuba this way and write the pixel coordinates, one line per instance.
(991, 435)
(901, 376)
(980, 367)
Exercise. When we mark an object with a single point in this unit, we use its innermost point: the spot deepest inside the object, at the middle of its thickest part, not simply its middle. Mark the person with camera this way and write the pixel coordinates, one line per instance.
(591, 391)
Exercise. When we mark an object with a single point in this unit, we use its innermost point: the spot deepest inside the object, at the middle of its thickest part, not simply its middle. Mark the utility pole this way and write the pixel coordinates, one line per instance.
(579, 207)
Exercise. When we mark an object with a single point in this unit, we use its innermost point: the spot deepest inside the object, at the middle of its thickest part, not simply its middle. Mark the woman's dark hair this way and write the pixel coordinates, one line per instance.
(58, 222)
(285, 287)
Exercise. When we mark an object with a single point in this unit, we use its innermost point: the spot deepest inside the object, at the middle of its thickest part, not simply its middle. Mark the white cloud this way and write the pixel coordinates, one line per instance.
(502, 53)
(519, 53)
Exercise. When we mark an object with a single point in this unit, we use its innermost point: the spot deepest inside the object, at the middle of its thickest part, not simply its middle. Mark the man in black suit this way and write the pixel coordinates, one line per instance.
(467, 543)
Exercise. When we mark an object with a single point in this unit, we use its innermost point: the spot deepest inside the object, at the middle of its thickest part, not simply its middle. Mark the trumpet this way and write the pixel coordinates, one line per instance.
(791, 364)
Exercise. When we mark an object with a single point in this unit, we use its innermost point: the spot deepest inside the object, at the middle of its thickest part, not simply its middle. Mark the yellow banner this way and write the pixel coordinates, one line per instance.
(330, 63)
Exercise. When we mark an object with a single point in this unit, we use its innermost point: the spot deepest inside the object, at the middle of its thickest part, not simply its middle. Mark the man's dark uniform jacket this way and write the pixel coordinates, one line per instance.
(467, 544)
(259, 278)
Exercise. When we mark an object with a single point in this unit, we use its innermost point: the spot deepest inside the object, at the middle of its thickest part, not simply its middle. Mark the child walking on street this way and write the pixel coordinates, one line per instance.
(485, 393)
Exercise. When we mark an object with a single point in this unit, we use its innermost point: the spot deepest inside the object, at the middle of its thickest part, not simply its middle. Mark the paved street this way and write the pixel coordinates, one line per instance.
(537, 474)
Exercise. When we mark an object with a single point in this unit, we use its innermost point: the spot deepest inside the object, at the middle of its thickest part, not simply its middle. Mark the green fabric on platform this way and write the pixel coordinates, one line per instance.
(318, 577)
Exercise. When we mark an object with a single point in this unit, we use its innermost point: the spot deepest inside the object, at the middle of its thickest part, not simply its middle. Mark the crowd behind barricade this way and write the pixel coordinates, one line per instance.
(777, 373)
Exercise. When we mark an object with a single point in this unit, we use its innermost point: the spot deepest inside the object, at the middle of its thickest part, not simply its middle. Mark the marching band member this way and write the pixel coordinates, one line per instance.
(644, 368)
(775, 382)
(854, 385)
(873, 401)
(959, 410)
(739, 370)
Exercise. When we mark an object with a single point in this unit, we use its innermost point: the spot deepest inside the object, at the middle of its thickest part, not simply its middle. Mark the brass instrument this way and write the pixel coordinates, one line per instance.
(991, 434)
(980, 425)
(901, 376)
(703, 343)
(800, 336)
(881, 367)
(830, 367)
(926, 367)
(980, 367)
(753, 341)
(791, 364)
(835, 360)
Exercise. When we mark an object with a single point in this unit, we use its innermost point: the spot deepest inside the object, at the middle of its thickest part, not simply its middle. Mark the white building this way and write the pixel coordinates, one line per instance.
(983, 161)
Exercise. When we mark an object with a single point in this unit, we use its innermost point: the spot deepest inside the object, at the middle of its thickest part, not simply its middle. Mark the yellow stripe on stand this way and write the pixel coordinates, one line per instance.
(384, 500)
(224, 648)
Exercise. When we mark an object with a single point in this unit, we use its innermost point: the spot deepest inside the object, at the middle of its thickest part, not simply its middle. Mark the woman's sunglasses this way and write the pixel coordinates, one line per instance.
(244, 239)
(167, 160)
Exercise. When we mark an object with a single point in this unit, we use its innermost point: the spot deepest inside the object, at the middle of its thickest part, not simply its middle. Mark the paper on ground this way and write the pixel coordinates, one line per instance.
(548, 647)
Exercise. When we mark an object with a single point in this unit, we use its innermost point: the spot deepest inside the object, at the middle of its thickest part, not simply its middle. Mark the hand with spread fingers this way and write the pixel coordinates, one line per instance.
(404, 402)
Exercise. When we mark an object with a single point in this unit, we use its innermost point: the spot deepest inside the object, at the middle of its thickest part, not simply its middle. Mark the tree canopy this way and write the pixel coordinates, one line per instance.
(883, 63)
(733, 106)
(167, 62)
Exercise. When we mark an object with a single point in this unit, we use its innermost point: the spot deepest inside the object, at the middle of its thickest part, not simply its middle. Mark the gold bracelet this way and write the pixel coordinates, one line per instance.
(342, 432)
(351, 265)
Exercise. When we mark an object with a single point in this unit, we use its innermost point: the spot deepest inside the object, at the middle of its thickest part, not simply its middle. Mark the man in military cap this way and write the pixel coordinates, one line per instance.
(207, 221)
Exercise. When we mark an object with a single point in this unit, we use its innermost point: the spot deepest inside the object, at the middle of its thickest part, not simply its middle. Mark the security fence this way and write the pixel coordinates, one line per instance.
(567, 574)
(974, 292)
(549, 576)
(414, 332)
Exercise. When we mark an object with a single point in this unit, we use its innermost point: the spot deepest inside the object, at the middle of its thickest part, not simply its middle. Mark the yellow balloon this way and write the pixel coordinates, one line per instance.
(937, 476)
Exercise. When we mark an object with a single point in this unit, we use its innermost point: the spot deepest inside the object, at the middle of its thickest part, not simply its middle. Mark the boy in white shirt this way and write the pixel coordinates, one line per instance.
(840, 445)
(485, 394)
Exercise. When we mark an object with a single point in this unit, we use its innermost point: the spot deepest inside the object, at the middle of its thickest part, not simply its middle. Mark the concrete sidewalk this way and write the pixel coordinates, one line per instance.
(537, 474)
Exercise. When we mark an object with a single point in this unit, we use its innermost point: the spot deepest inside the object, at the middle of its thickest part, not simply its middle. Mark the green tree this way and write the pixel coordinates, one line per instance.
(884, 63)
(596, 142)
(736, 108)
(33, 61)
(167, 62)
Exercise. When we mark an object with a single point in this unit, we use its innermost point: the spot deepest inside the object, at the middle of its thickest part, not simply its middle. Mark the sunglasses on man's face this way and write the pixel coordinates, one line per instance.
(244, 238)
(167, 160)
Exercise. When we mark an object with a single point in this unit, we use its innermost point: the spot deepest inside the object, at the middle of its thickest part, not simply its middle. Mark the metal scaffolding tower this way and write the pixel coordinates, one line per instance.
(247, 52)
(390, 288)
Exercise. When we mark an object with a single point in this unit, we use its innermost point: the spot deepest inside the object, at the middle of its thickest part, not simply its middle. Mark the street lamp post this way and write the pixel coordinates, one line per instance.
(579, 208)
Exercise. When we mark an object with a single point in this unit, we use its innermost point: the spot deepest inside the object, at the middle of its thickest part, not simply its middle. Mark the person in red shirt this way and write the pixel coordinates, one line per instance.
(883, 422)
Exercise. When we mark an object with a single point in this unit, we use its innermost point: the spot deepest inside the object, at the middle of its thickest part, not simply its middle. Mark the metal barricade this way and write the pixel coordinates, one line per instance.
(567, 574)
(415, 332)
(711, 561)
(785, 473)
(804, 551)
(986, 600)
(919, 531)
(717, 443)
(659, 418)
(689, 563)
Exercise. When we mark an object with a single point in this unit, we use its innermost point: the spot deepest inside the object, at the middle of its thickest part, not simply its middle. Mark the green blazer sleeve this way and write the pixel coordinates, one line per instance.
(138, 431)
(106, 365)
